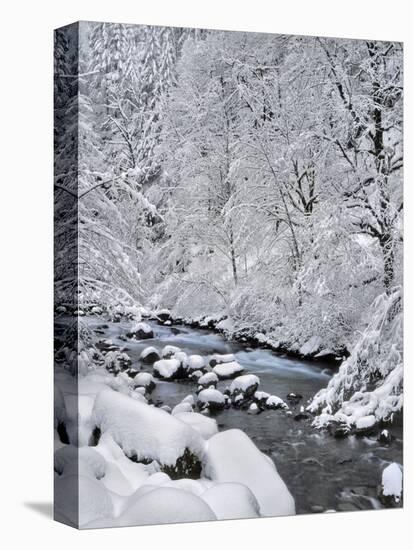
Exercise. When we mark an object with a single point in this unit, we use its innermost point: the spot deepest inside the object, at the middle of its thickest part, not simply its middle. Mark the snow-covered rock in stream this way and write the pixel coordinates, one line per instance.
(146, 433)
(231, 501)
(195, 362)
(213, 399)
(385, 437)
(165, 505)
(217, 359)
(140, 331)
(261, 397)
(230, 369)
(169, 369)
(168, 351)
(391, 490)
(144, 380)
(232, 457)
(149, 355)
(253, 409)
(246, 384)
(274, 402)
(205, 426)
(207, 380)
(116, 361)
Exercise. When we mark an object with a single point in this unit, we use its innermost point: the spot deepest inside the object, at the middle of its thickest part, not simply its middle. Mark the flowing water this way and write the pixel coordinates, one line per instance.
(322, 473)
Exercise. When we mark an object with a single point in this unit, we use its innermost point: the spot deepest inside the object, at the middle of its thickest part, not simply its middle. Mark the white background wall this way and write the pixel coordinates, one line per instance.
(26, 268)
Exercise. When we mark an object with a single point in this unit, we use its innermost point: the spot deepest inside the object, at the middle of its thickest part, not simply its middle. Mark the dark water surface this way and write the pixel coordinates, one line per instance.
(321, 472)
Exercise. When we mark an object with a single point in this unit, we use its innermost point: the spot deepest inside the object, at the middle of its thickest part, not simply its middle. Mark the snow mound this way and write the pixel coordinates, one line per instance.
(211, 398)
(228, 370)
(195, 362)
(392, 482)
(208, 379)
(167, 369)
(149, 355)
(165, 505)
(206, 427)
(274, 402)
(231, 501)
(144, 380)
(140, 331)
(246, 384)
(232, 457)
(144, 432)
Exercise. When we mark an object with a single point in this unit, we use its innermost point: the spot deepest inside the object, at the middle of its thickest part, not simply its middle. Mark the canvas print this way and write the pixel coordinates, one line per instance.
(228, 275)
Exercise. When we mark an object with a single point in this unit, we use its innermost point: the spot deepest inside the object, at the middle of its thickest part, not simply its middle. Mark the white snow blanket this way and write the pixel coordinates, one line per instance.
(232, 457)
(206, 427)
(232, 501)
(147, 432)
(165, 505)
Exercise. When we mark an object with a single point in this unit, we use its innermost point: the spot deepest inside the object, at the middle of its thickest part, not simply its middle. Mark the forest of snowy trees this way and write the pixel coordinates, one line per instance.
(251, 180)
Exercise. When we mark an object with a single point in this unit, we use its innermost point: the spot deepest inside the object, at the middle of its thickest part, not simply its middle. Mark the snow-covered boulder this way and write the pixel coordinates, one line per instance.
(195, 375)
(212, 399)
(207, 380)
(165, 505)
(385, 437)
(182, 357)
(140, 331)
(261, 397)
(232, 457)
(230, 369)
(274, 402)
(144, 380)
(391, 490)
(169, 369)
(116, 361)
(195, 362)
(146, 433)
(205, 426)
(246, 385)
(217, 359)
(149, 355)
(231, 501)
(169, 351)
